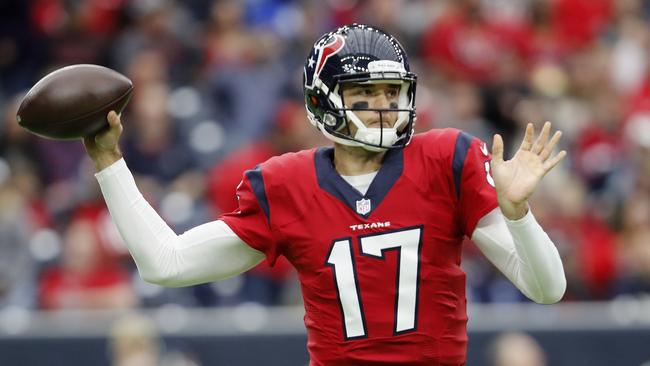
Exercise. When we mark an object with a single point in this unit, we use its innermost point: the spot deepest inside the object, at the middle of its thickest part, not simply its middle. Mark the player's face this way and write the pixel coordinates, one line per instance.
(364, 98)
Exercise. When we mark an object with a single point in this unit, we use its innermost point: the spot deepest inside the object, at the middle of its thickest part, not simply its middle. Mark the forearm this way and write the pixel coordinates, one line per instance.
(540, 255)
(205, 253)
(524, 253)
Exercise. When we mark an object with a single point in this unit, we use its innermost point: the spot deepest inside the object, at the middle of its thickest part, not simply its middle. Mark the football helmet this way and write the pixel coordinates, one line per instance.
(358, 54)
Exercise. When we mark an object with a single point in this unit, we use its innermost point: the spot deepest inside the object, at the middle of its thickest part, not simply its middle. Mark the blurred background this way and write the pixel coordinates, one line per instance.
(218, 90)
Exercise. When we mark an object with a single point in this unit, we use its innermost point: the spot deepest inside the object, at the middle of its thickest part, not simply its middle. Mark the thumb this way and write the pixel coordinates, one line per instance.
(497, 150)
(108, 139)
(113, 119)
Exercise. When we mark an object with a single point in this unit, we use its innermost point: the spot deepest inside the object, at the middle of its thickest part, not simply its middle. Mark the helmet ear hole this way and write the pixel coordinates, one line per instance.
(330, 120)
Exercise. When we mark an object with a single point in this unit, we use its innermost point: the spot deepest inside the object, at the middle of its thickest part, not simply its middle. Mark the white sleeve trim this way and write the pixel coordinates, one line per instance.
(524, 253)
(208, 252)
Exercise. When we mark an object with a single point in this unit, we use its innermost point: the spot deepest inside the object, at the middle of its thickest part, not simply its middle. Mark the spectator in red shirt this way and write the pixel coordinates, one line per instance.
(83, 280)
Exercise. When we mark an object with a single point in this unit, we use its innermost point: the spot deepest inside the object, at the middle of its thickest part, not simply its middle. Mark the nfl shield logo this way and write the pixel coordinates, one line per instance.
(363, 206)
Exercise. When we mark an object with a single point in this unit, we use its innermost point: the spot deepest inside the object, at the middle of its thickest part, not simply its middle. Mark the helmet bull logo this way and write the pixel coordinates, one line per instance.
(331, 47)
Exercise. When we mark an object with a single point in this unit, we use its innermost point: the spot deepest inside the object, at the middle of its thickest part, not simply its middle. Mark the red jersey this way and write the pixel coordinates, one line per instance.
(380, 273)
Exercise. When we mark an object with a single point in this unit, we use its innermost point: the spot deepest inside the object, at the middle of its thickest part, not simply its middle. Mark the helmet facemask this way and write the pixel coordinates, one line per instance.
(339, 116)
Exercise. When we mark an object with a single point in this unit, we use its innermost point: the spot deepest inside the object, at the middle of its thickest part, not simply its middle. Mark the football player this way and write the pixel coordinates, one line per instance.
(373, 225)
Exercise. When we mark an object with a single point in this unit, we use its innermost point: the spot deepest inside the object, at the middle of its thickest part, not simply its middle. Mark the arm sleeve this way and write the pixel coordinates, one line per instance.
(474, 184)
(208, 252)
(524, 253)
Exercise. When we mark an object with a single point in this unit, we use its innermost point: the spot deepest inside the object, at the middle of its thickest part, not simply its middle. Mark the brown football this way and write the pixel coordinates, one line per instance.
(73, 101)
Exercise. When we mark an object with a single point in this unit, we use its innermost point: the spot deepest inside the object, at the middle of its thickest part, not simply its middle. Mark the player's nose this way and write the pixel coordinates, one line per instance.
(385, 102)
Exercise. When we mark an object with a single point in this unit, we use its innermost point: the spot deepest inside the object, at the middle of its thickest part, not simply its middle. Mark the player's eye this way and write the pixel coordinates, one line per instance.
(367, 92)
(360, 105)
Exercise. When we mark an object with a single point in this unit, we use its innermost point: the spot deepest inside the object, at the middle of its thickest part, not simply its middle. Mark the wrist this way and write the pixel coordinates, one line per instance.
(514, 211)
(106, 159)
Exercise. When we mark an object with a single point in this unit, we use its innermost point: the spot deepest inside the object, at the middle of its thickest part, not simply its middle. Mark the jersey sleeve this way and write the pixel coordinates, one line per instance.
(473, 181)
(251, 221)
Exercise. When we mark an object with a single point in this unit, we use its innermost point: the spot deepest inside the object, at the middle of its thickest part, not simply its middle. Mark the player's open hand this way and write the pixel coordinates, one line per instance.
(103, 148)
(516, 179)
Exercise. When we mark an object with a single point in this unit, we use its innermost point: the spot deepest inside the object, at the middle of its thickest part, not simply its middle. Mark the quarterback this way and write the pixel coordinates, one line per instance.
(373, 225)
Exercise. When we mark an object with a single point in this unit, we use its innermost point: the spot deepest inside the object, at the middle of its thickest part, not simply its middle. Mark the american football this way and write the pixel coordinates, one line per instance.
(73, 101)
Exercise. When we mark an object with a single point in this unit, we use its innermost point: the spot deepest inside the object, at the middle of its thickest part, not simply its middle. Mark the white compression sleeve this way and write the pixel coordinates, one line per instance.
(524, 253)
(208, 252)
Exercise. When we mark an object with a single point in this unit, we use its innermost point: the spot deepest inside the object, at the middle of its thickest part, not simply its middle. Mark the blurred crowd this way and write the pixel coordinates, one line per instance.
(218, 90)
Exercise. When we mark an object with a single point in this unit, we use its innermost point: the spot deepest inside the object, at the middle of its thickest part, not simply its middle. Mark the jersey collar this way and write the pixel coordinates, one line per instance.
(331, 181)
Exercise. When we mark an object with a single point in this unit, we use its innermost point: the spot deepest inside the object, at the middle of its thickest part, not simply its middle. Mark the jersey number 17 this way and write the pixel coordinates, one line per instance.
(406, 242)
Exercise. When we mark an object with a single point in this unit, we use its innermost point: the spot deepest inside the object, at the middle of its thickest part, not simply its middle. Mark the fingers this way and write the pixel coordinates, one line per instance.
(527, 143)
(497, 149)
(542, 139)
(551, 163)
(542, 146)
(546, 152)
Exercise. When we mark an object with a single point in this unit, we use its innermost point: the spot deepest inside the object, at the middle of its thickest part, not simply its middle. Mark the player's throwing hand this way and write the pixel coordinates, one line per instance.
(515, 180)
(103, 148)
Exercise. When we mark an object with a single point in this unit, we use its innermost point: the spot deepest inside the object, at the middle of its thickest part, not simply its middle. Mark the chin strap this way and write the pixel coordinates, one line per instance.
(384, 137)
